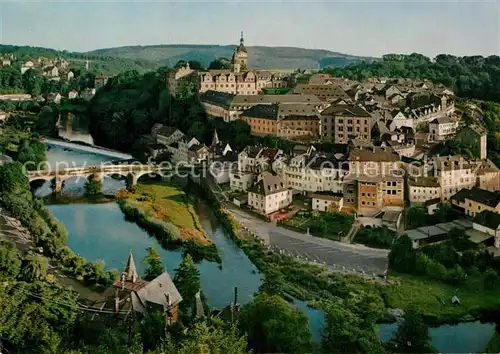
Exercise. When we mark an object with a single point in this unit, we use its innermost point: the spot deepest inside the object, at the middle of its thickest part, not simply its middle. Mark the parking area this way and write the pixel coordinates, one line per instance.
(336, 255)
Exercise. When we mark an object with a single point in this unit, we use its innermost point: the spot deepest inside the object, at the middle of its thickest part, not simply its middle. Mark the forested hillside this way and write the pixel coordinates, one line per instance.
(259, 56)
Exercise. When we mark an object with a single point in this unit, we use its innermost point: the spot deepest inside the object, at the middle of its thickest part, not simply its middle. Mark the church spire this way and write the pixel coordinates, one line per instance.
(131, 270)
(215, 138)
(242, 41)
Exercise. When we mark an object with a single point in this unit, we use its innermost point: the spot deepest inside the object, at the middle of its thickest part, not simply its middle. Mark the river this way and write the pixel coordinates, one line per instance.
(100, 232)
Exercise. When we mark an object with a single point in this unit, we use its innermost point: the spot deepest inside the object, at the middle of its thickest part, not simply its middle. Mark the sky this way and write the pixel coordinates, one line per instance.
(370, 28)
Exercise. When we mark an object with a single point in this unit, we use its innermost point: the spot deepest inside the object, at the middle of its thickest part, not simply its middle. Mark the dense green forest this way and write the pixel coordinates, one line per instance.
(471, 77)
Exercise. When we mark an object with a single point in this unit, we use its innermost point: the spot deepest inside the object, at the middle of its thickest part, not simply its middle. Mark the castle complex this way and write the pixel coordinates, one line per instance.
(238, 80)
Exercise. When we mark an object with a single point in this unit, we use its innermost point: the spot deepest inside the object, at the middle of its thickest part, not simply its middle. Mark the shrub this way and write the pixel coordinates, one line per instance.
(379, 237)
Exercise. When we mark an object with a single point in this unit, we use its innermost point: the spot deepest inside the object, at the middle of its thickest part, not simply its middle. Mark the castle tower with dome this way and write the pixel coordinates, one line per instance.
(240, 57)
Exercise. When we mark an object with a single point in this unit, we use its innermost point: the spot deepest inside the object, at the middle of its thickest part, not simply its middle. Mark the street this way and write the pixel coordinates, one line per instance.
(341, 256)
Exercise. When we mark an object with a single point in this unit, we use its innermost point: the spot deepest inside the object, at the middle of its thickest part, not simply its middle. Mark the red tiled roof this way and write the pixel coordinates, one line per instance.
(128, 285)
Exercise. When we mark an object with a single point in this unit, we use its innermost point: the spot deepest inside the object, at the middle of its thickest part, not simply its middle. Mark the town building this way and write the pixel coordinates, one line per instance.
(376, 161)
(183, 76)
(257, 159)
(442, 128)
(188, 150)
(343, 122)
(475, 200)
(474, 135)
(453, 174)
(325, 92)
(487, 175)
(368, 195)
(51, 73)
(324, 201)
(269, 194)
(131, 293)
(238, 80)
(100, 81)
(166, 135)
(486, 223)
(312, 172)
(54, 97)
(284, 120)
(27, 65)
(229, 106)
(240, 180)
(422, 189)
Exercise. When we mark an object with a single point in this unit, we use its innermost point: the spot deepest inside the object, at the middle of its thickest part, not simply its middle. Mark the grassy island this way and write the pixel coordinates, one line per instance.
(165, 212)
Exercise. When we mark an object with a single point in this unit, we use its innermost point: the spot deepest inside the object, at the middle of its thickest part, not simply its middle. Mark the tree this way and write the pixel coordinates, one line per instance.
(412, 335)
(273, 326)
(13, 180)
(195, 65)
(187, 280)
(154, 264)
(34, 268)
(347, 330)
(205, 338)
(32, 82)
(10, 261)
(93, 186)
(220, 63)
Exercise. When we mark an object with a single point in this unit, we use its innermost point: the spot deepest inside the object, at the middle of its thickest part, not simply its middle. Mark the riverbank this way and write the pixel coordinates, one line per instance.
(284, 274)
(165, 212)
(426, 295)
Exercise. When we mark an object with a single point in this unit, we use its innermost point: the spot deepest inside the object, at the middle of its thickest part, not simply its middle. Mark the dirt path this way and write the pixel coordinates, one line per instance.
(12, 230)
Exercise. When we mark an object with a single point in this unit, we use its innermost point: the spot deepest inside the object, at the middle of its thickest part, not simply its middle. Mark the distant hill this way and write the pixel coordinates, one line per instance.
(259, 57)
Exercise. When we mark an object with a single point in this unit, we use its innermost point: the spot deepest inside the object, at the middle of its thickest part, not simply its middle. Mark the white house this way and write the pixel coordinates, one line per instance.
(51, 72)
(400, 120)
(240, 180)
(168, 135)
(221, 168)
(312, 172)
(180, 149)
(441, 128)
(257, 159)
(269, 194)
(26, 66)
(327, 201)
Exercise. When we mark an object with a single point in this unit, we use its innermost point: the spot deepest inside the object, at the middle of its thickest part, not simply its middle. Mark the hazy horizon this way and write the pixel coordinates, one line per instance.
(366, 28)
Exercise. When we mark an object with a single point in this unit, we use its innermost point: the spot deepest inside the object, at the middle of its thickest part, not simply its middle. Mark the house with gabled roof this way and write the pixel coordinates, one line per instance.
(475, 200)
(133, 294)
(269, 194)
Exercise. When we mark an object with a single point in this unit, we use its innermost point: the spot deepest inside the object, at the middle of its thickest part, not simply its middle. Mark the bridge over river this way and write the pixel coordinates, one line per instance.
(132, 172)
